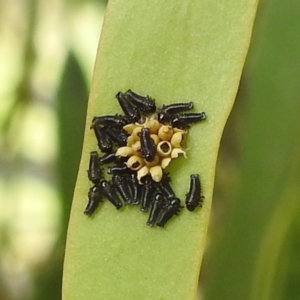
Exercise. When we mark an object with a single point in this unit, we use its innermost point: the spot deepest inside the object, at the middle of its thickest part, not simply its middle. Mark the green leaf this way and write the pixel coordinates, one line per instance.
(175, 51)
(72, 105)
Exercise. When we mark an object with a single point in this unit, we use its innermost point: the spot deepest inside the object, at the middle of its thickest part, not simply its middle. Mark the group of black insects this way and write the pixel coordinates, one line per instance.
(158, 197)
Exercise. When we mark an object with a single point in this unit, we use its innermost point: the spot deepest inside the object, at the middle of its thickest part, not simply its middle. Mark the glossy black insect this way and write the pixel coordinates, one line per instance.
(94, 198)
(167, 112)
(156, 207)
(184, 120)
(145, 105)
(107, 159)
(117, 135)
(110, 120)
(176, 108)
(193, 197)
(128, 108)
(121, 185)
(104, 142)
(122, 168)
(148, 189)
(168, 211)
(109, 192)
(94, 171)
(136, 189)
(148, 148)
(165, 187)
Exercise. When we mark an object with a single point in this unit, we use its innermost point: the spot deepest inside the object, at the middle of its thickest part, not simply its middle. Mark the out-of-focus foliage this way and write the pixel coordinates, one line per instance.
(254, 256)
(47, 53)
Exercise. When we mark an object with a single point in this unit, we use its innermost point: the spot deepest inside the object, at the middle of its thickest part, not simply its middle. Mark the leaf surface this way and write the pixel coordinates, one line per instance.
(174, 51)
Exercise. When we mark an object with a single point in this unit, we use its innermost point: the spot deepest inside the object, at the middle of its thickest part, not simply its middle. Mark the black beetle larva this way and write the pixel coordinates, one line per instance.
(136, 189)
(104, 142)
(94, 198)
(148, 148)
(156, 207)
(165, 187)
(146, 105)
(94, 171)
(122, 168)
(167, 112)
(110, 120)
(119, 136)
(129, 110)
(121, 185)
(193, 197)
(148, 189)
(168, 211)
(107, 158)
(109, 192)
(184, 120)
(177, 107)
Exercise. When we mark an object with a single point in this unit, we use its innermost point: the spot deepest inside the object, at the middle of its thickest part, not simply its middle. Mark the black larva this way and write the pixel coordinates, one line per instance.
(127, 185)
(168, 211)
(136, 189)
(156, 208)
(193, 197)
(122, 168)
(128, 108)
(184, 120)
(165, 187)
(104, 142)
(94, 171)
(120, 184)
(167, 112)
(111, 120)
(148, 190)
(107, 159)
(118, 136)
(148, 148)
(94, 198)
(177, 107)
(110, 193)
(145, 105)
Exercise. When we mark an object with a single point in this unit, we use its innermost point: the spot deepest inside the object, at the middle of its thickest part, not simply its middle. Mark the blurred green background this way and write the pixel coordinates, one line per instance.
(47, 52)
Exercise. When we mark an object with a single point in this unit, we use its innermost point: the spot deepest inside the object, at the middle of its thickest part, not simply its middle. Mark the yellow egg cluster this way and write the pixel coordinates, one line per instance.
(168, 140)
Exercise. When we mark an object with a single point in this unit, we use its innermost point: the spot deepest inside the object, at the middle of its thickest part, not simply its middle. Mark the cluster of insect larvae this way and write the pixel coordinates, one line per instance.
(138, 146)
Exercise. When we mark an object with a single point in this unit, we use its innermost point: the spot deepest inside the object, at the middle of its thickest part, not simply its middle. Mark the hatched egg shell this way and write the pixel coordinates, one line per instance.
(124, 151)
(141, 173)
(136, 146)
(176, 139)
(154, 162)
(176, 151)
(130, 140)
(135, 133)
(165, 132)
(153, 125)
(164, 148)
(165, 162)
(156, 173)
(155, 138)
(129, 127)
(135, 163)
